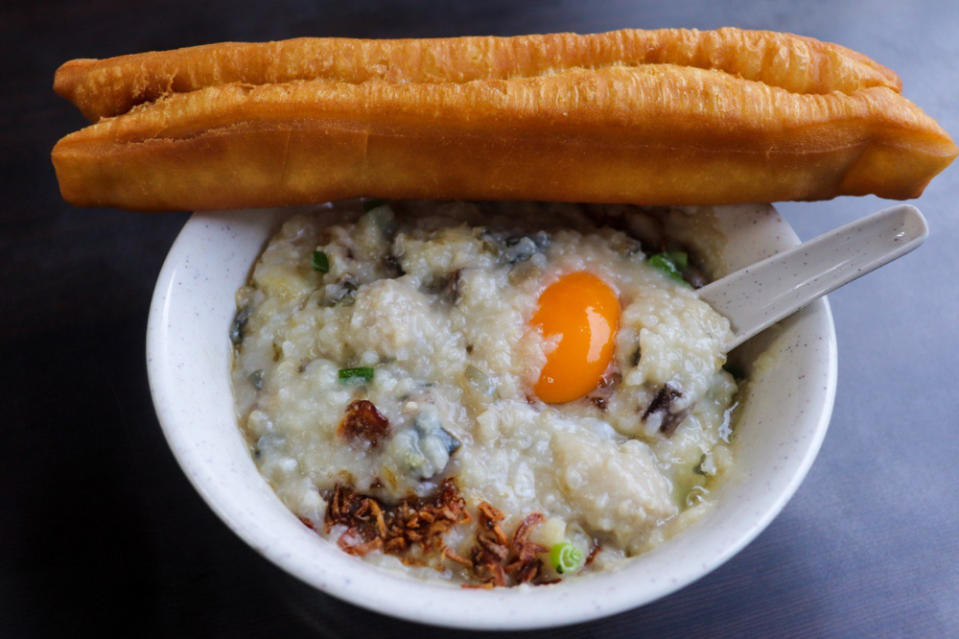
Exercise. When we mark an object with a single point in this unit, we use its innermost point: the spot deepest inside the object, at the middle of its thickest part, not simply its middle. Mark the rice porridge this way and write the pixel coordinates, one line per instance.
(490, 394)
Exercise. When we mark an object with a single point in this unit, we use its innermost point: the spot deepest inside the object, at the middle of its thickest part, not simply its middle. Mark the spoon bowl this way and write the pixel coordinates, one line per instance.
(759, 295)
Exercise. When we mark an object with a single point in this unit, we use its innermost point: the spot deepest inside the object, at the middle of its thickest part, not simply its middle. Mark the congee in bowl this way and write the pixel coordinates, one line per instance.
(489, 394)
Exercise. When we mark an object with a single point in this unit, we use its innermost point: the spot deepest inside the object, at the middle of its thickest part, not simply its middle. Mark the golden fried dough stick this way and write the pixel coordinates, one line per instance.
(652, 134)
(109, 87)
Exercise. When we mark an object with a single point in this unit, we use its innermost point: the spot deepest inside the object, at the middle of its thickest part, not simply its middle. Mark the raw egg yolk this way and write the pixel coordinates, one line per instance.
(581, 313)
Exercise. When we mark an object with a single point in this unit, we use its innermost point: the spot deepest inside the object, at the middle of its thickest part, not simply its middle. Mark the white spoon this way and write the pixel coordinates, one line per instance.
(765, 292)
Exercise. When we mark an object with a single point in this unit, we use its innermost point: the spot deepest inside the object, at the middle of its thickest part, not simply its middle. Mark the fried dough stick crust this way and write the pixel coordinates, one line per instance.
(101, 88)
(653, 134)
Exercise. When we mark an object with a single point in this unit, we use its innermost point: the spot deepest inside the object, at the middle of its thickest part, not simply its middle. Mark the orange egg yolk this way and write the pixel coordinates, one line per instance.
(581, 313)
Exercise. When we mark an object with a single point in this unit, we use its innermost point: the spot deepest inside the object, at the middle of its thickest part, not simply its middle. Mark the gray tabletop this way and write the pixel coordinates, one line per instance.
(101, 529)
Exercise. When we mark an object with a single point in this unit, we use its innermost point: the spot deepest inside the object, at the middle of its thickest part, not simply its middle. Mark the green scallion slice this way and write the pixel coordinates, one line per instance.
(321, 262)
(364, 372)
(565, 558)
(664, 262)
(679, 258)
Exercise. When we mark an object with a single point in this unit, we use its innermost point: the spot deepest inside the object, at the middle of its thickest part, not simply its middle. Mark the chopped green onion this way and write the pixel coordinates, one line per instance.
(664, 262)
(321, 262)
(373, 203)
(364, 372)
(679, 258)
(564, 557)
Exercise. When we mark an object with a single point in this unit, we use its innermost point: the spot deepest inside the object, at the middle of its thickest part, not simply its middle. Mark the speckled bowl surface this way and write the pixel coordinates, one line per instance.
(785, 414)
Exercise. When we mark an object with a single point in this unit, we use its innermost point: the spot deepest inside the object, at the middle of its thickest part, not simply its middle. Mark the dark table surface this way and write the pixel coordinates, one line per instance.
(100, 529)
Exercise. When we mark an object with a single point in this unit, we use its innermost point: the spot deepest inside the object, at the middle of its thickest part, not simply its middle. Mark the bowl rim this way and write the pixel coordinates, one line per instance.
(484, 606)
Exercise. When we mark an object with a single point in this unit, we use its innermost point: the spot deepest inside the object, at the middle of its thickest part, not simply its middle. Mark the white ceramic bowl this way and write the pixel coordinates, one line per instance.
(785, 416)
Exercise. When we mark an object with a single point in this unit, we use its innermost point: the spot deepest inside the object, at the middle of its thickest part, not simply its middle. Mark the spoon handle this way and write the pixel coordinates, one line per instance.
(763, 293)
